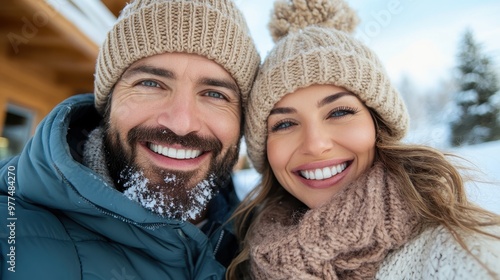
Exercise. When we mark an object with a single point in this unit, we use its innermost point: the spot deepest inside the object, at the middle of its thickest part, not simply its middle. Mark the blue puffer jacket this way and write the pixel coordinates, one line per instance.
(60, 220)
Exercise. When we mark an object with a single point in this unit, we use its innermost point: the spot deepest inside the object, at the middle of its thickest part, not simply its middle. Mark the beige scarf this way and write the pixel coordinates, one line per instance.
(347, 238)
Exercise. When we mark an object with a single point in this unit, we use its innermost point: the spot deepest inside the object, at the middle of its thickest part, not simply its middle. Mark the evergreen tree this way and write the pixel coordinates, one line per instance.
(477, 117)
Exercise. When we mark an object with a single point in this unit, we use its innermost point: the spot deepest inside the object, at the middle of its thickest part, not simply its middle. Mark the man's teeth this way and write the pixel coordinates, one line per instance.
(324, 173)
(174, 153)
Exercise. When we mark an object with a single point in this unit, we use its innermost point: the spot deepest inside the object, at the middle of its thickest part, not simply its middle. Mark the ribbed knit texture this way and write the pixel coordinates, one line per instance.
(215, 29)
(347, 238)
(94, 157)
(313, 51)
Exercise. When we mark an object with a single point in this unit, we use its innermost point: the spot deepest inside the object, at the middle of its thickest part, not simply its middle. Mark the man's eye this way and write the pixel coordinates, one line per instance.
(149, 83)
(215, 94)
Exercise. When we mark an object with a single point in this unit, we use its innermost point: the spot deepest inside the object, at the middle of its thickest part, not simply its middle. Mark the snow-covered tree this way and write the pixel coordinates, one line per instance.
(429, 110)
(477, 115)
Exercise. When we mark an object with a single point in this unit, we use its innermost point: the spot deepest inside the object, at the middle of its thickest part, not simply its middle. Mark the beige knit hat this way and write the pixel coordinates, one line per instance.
(314, 46)
(215, 29)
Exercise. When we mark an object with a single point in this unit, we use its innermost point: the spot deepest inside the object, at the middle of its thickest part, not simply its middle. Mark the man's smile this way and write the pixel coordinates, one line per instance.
(173, 152)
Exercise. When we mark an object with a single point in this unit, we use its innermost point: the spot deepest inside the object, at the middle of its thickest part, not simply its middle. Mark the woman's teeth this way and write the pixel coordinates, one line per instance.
(323, 173)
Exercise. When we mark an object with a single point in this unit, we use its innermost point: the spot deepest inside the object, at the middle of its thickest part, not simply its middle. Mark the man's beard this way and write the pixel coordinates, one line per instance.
(166, 192)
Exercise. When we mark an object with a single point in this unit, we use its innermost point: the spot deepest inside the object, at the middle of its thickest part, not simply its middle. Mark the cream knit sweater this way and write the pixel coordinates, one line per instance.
(434, 254)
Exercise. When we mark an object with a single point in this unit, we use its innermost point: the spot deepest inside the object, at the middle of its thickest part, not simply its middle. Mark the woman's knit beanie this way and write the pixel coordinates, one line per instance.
(215, 29)
(314, 45)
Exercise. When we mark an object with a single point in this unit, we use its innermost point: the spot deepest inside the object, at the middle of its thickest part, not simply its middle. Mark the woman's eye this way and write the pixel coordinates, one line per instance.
(281, 126)
(342, 112)
(149, 83)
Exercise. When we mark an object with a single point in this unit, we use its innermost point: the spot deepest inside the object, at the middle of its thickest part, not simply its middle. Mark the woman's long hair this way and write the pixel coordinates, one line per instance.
(428, 180)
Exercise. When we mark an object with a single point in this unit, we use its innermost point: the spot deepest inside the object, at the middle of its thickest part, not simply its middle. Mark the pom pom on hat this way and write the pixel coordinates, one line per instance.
(314, 45)
(292, 15)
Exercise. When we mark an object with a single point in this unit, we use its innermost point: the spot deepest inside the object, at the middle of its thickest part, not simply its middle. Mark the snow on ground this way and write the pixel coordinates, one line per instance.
(485, 157)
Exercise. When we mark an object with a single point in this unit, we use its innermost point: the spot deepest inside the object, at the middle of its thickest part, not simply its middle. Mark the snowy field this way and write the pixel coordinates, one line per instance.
(485, 157)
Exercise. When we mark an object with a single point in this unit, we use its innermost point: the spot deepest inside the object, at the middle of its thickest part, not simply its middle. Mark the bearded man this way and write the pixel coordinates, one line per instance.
(133, 181)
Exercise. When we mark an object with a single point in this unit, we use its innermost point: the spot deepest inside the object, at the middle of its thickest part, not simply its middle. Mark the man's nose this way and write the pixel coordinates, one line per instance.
(181, 114)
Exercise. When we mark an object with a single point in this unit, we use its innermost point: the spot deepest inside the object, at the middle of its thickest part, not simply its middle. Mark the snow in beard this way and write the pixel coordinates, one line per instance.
(167, 204)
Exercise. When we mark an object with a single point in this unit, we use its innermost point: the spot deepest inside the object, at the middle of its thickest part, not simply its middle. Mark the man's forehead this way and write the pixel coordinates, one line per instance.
(173, 60)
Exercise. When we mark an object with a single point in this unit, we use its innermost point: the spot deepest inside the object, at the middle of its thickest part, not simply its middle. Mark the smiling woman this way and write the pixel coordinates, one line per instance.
(342, 196)
(320, 139)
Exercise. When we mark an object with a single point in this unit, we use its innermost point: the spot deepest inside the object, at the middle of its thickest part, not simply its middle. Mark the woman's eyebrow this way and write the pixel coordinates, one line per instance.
(327, 100)
(331, 98)
(282, 110)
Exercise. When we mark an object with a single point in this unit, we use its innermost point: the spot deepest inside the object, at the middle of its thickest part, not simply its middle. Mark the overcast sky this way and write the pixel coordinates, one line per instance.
(417, 38)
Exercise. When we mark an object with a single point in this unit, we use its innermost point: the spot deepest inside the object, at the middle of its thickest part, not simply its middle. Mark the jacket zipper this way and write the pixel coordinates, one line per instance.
(219, 242)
